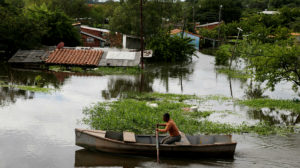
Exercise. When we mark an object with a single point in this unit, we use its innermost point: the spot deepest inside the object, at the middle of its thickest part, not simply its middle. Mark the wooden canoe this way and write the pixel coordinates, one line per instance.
(197, 146)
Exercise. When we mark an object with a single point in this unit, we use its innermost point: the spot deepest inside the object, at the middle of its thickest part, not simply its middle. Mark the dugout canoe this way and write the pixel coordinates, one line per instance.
(126, 143)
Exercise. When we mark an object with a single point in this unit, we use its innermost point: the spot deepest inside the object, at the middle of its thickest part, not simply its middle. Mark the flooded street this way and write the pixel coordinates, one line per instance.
(37, 129)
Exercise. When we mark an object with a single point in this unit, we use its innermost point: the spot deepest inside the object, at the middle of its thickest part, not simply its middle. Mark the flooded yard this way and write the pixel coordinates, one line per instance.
(37, 129)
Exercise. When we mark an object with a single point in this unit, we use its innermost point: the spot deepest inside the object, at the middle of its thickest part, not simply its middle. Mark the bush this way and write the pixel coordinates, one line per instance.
(76, 69)
(222, 58)
(172, 48)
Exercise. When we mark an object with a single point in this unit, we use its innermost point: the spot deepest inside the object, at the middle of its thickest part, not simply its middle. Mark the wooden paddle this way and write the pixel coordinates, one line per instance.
(157, 144)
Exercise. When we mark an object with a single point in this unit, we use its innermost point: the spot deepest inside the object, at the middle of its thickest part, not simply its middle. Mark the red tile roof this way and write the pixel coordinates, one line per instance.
(175, 31)
(75, 57)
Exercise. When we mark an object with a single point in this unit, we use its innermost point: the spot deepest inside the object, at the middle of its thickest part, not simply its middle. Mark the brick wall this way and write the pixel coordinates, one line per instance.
(210, 27)
(92, 32)
(96, 42)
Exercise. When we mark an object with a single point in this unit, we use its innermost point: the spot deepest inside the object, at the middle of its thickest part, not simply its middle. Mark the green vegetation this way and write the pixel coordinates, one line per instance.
(271, 103)
(31, 88)
(34, 26)
(99, 70)
(234, 73)
(116, 70)
(172, 47)
(131, 115)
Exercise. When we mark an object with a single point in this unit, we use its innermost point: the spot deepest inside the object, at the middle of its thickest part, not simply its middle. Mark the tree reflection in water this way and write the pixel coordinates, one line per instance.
(24, 77)
(9, 95)
(274, 116)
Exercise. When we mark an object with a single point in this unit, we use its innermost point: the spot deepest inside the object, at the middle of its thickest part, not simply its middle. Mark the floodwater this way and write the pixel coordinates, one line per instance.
(37, 129)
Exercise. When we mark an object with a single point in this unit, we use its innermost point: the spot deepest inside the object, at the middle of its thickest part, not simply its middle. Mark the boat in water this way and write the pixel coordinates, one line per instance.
(127, 143)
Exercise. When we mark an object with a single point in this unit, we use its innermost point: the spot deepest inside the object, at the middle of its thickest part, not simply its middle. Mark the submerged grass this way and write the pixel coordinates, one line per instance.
(128, 114)
(242, 74)
(32, 88)
(99, 70)
(271, 103)
(175, 97)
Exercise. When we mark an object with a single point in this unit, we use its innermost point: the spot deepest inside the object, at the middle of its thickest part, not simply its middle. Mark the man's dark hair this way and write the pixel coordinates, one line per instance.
(167, 116)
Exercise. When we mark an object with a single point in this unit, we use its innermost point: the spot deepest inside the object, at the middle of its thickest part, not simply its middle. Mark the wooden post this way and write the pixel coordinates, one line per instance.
(157, 145)
(234, 47)
(142, 47)
(219, 25)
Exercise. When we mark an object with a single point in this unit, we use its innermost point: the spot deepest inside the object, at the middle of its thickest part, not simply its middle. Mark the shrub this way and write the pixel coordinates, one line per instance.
(172, 48)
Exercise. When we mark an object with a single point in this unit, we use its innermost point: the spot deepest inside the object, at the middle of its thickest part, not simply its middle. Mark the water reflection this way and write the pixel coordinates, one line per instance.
(165, 70)
(254, 93)
(135, 83)
(86, 158)
(10, 95)
(274, 116)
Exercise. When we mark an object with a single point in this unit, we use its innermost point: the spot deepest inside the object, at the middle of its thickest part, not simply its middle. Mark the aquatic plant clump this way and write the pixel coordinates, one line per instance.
(241, 74)
(32, 88)
(271, 103)
(136, 116)
(99, 70)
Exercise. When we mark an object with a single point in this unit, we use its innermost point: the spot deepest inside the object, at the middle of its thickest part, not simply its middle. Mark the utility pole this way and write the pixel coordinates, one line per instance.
(142, 47)
(194, 17)
(234, 47)
(219, 24)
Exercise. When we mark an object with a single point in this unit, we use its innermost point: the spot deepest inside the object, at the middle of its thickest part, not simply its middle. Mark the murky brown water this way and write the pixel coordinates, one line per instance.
(37, 130)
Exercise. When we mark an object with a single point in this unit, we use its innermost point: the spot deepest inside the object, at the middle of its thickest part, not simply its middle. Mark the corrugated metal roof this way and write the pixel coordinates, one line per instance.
(209, 24)
(75, 57)
(29, 56)
(96, 37)
(91, 28)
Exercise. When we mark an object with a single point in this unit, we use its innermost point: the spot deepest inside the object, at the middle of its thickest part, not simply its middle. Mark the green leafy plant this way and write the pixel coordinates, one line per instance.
(172, 47)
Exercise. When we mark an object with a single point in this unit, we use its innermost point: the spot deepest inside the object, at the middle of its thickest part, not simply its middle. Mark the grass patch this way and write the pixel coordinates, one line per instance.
(116, 70)
(175, 97)
(29, 88)
(131, 115)
(233, 73)
(99, 70)
(271, 103)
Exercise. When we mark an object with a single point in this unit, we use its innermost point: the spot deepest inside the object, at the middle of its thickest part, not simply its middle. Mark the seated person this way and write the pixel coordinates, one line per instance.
(172, 128)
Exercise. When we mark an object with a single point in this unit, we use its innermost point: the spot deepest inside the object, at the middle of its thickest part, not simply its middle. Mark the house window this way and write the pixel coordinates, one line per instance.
(90, 40)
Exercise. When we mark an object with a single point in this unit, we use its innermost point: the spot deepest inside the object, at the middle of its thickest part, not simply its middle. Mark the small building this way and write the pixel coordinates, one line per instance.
(93, 37)
(297, 36)
(209, 26)
(195, 37)
(131, 42)
(269, 12)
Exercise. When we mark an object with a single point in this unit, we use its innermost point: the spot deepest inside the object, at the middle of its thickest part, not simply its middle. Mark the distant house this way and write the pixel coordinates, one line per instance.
(209, 26)
(270, 12)
(297, 36)
(195, 37)
(93, 37)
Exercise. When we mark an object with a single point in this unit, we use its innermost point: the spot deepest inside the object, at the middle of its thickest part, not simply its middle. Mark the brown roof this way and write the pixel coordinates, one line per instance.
(175, 31)
(75, 57)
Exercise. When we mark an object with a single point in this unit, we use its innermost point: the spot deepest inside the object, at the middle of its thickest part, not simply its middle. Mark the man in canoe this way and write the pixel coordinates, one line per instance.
(172, 128)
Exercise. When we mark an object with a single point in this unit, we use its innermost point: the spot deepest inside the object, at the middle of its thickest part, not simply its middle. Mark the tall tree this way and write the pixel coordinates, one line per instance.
(17, 31)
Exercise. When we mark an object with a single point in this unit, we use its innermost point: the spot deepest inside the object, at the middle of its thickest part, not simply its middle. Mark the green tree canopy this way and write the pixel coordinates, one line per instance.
(17, 31)
(59, 24)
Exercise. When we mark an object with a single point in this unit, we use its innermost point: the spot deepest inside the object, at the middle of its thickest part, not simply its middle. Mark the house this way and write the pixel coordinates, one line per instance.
(93, 37)
(78, 56)
(195, 37)
(132, 42)
(269, 12)
(296, 35)
(209, 26)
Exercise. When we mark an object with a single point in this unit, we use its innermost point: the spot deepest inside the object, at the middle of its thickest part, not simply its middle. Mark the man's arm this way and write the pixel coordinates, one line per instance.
(168, 127)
